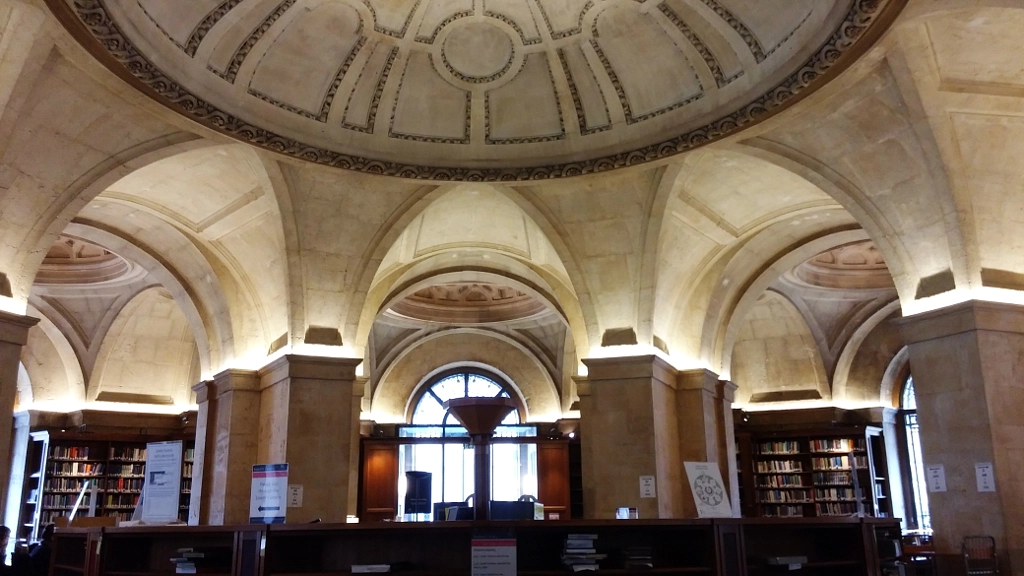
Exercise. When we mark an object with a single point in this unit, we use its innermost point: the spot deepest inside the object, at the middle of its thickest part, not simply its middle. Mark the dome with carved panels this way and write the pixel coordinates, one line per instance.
(477, 89)
(854, 266)
(468, 303)
(75, 261)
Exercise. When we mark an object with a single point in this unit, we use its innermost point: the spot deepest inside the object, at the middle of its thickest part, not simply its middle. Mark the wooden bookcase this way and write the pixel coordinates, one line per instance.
(116, 465)
(719, 547)
(814, 472)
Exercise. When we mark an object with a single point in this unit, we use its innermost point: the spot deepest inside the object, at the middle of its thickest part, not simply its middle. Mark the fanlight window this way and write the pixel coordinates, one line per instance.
(430, 409)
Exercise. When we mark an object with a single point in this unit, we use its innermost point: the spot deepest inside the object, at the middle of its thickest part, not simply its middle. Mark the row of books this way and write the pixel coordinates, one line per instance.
(784, 511)
(63, 500)
(65, 484)
(837, 445)
(783, 496)
(74, 469)
(124, 484)
(836, 508)
(70, 452)
(833, 478)
(781, 480)
(121, 500)
(780, 466)
(834, 494)
(127, 454)
(127, 470)
(780, 447)
(831, 463)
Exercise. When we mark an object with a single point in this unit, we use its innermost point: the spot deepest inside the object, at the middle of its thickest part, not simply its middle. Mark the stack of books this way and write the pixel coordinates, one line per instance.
(637, 557)
(580, 554)
(185, 561)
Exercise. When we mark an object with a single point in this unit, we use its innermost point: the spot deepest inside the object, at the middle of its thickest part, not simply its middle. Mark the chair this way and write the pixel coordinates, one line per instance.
(980, 555)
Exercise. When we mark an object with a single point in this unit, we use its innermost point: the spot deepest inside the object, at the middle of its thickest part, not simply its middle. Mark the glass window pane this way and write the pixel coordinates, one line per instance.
(419, 457)
(909, 395)
(512, 419)
(428, 411)
(513, 471)
(482, 387)
(451, 387)
(924, 520)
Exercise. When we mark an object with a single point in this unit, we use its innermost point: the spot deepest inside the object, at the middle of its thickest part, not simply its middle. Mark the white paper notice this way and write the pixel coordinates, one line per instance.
(935, 476)
(295, 495)
(494, 556)
(647, 487)
(986, 476)
(162, 484)
(708, 490)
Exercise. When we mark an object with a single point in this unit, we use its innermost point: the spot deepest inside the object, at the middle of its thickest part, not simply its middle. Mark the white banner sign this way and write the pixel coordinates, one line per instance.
(269, 497)
(708, 490)
(162, 484)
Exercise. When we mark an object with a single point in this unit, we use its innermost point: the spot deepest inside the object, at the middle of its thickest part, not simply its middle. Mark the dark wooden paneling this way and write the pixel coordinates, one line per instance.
(380, 482)
(553, 479)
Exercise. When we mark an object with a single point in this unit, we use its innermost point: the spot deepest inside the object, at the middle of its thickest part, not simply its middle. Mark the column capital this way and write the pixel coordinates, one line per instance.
(727, 390)
(204, 390)
(629, 367)
(236, 379)
(959, 318)
(14, 327)
(697, 379)
(309, 367)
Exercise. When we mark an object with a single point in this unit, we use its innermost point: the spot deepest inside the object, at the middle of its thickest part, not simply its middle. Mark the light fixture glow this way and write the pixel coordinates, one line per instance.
(65, 406)
(8, 304)
(633, 350)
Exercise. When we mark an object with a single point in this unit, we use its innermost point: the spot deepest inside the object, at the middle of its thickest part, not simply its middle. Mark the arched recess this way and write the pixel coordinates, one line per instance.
(466, 347)
(149, 352)
(728, 213)
(841, 384)
(203, 303)
(221, 201)
(51, 364)
(775, 358)
(731, 301)
(893, 378)
(444, 236)
(71, 201)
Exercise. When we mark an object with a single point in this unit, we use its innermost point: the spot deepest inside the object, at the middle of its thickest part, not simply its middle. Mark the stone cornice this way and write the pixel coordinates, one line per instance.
(960, 318)
(293, 366)
(14, 328)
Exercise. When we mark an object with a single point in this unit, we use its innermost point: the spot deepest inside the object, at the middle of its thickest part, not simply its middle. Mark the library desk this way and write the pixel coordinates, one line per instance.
(721, 547)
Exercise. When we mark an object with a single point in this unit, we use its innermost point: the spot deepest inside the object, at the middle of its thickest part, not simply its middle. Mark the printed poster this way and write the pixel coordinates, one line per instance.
(269, 497)
(709, 492)
(162, 484)
(935, 477)
(493, 556)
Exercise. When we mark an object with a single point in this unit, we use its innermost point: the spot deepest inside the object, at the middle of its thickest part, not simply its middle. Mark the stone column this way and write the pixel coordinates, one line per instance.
(227, 436)
(706, 429)
(968, 367)
(309, 418)
(13, 335)
(629, 428)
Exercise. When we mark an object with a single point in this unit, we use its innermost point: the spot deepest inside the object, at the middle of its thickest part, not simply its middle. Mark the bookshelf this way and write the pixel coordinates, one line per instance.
(115, 465)
(815, 473)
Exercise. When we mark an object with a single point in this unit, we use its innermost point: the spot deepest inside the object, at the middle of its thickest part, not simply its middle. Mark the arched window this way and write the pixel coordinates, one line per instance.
(439, 443)
(430, 408)
(918, 516)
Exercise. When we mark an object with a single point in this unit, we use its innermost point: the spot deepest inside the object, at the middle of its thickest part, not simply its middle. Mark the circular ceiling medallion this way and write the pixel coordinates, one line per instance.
(468, 303)
(477, 52)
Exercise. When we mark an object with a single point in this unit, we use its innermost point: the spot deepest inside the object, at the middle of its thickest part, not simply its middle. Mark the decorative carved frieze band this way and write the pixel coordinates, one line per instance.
(716, 69)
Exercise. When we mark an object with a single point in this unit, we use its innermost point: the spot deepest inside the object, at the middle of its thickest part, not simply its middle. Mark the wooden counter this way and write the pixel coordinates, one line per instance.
(726, 547)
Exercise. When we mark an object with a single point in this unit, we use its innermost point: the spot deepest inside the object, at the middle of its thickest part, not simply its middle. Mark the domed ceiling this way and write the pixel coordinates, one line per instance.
(477, 89)
(853, 266)
(468, 303)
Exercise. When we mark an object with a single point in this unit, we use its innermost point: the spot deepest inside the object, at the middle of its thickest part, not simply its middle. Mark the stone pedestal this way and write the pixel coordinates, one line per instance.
(227, 436)
(309, 418)
(13, 335)
(640, 417)
(968, 367)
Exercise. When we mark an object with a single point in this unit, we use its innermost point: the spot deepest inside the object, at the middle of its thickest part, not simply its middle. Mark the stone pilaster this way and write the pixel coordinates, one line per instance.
(704, 404)
(309, 418)
(13, 335)
(968, 367)
(227, 435)
(629, 428)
